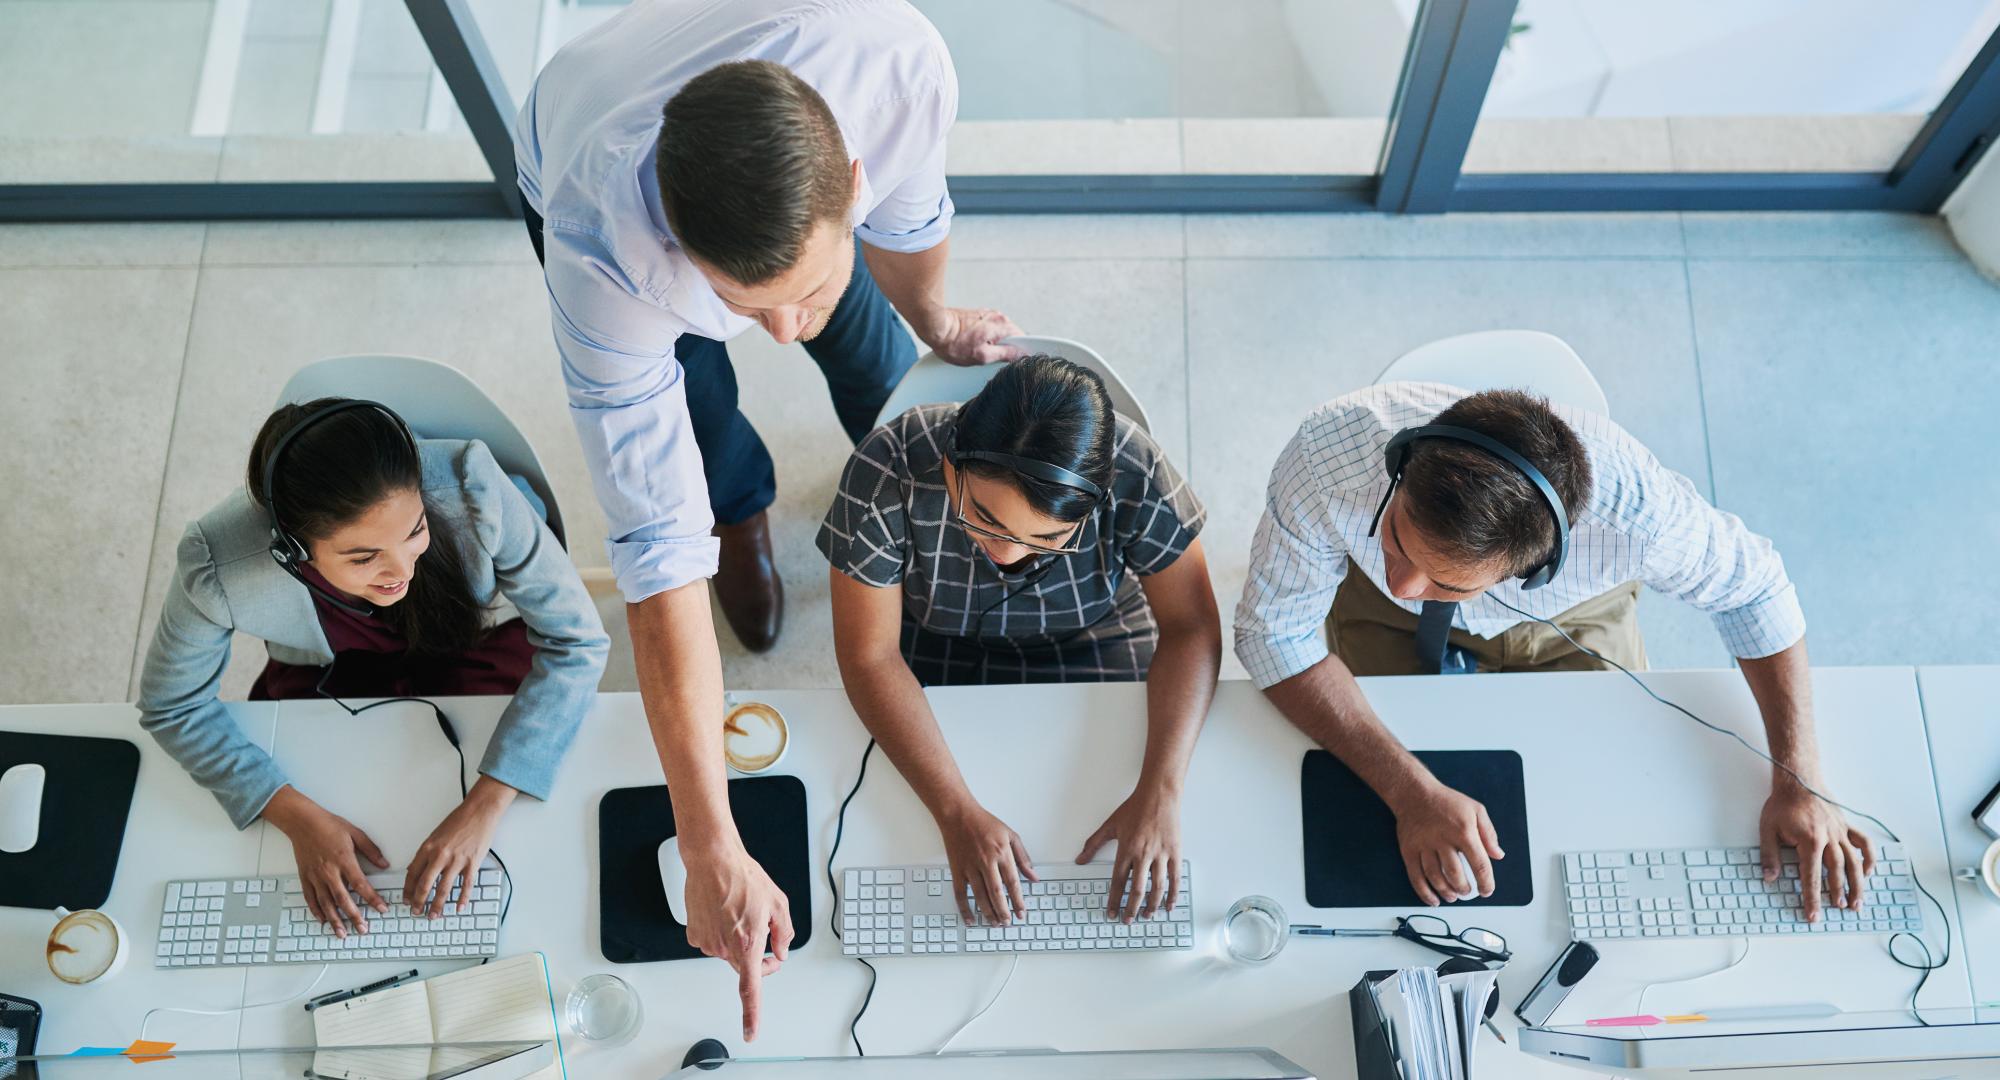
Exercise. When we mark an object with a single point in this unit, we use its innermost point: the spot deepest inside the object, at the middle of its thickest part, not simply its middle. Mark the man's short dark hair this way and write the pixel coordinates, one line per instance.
(1479, 510)
(750, 160)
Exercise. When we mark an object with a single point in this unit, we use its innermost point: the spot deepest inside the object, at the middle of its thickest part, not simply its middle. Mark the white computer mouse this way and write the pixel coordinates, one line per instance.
(1465, 873)
(674, 878)
(21, 807)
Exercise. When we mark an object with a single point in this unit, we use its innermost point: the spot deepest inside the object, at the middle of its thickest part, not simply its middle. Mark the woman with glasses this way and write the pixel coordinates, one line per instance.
(1028, 535)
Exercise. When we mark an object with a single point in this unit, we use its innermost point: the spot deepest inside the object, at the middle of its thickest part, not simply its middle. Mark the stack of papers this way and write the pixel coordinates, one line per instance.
(1434, 1022)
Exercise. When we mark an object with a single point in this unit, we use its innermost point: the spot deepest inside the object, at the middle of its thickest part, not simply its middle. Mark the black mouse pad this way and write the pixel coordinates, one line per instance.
(1350, 836)
(86, 799)
(634, 925)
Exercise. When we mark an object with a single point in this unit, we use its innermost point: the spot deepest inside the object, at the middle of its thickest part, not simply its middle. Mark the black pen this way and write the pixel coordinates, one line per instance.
(339, 996)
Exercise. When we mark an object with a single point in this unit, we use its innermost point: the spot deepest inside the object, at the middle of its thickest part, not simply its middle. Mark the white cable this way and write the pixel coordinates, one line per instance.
(990, 1002)
(310, 987)
(1731, 966)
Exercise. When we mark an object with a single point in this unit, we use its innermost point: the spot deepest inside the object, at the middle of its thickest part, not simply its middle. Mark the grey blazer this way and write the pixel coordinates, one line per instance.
(226, 581)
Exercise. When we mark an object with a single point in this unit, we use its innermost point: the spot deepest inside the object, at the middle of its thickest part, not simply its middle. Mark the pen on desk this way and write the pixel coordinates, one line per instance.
(1309, 930)
(339, 996)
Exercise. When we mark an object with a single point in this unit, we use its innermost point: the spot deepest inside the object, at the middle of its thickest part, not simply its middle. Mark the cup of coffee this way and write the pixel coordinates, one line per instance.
(754, 738)
(86, 946)
(1987, 873)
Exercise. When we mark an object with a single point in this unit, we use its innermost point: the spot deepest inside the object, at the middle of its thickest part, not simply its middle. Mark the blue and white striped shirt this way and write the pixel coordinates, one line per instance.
(1643, 522)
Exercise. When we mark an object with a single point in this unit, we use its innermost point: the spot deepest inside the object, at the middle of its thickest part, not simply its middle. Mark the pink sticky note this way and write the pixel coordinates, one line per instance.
(1623, 1021)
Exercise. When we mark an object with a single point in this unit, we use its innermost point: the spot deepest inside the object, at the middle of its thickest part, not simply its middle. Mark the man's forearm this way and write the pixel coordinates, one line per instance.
(1782, 685)
(680, 681)
(913, 281)
(1326, 703)
(1179, 689)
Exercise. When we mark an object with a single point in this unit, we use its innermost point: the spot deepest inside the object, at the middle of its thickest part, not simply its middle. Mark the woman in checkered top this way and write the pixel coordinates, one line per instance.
(1028, 535)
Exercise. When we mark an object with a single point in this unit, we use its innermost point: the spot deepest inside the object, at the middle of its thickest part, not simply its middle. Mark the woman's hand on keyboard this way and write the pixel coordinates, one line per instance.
(734, 910)
(326, 846)
(1147, 872)
(454, 850)
(982, 850)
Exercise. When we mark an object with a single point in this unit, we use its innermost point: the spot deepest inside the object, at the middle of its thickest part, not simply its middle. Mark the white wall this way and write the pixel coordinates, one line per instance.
(1973, 212)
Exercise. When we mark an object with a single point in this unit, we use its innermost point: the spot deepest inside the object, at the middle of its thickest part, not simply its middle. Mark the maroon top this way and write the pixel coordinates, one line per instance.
(370, 659)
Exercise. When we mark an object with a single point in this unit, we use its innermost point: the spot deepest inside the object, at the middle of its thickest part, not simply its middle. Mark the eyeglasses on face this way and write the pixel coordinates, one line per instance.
(1069, 546)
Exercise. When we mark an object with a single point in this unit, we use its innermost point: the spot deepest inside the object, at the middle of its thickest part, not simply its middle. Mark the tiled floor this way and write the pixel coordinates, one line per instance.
(1826, 376)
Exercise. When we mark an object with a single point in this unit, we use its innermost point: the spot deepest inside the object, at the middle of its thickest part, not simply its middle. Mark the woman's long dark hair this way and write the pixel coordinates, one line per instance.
(1050, 410)
(340, 468)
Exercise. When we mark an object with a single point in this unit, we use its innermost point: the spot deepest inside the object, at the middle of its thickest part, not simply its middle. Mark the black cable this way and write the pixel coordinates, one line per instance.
(833, 884)
(464, 788)
(1931, 963)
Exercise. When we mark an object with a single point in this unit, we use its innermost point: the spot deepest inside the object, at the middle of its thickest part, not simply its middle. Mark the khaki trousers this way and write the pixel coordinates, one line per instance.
(1373, 636)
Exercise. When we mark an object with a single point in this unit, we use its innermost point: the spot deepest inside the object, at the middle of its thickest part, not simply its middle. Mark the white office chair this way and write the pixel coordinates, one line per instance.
(1528, 360)
(438, 401)
(931, 380)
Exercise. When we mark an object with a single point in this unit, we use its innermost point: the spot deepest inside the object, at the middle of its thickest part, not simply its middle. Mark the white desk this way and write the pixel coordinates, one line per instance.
(1052, 761)
(175, 830)
(1964, 722)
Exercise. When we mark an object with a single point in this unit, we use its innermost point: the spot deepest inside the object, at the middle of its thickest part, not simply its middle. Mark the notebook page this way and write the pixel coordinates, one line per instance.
(504, 1001)
(386, 1063)
(399, 1015)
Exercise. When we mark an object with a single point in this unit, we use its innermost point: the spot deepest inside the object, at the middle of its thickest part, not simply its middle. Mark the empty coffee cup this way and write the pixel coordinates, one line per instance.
(86, 946)
(754, 738)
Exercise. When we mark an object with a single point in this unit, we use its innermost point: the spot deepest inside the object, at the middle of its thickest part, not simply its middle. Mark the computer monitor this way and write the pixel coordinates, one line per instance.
(444, 1061)
(1860, 1044)
(1233, 1064)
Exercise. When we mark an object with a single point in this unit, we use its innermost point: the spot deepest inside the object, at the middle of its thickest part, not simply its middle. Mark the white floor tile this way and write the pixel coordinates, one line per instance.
(364, 243)
(1844, 234)
(1850, 409)
(85, 422)
(109, 67)
(1490, 236)
(174, 244)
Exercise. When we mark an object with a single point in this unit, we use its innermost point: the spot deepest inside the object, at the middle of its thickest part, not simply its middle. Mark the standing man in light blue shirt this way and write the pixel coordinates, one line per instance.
(692, 168)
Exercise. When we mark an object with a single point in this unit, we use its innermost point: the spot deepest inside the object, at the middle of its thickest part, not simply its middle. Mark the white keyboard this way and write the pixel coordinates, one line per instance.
(911, 911)
(1711, 892)
(236, 922)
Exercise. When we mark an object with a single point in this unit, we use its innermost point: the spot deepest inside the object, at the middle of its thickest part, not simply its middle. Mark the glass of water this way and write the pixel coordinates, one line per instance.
(1254, 930)
(602, 1009)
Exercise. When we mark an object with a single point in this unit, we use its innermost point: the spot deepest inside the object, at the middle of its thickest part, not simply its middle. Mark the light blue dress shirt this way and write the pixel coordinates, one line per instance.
(621, 290)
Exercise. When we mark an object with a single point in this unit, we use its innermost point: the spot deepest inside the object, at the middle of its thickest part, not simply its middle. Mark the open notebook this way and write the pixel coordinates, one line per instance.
(503, 1001)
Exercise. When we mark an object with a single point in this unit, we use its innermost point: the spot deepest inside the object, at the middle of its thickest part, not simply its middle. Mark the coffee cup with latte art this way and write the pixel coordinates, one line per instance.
(86, 946)
(754, 738)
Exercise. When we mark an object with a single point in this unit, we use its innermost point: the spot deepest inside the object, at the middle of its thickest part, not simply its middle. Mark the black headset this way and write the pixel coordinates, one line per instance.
(1397, 454)
(289, 551)
(1040, 470)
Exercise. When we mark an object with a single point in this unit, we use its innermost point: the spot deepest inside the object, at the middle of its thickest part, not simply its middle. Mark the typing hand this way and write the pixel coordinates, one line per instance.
(326, 846)
(1434, 827)
(1147, 826)
(969, 336)
(1793, 817)
(984, 852)
(733, 911)
(455, 849)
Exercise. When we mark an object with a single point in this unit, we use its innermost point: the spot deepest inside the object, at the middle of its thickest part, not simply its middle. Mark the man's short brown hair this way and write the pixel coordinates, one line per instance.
(750, 160)
(1476, 508)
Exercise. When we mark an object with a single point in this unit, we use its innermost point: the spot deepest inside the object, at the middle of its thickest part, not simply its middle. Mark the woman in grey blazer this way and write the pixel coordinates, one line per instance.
(397, 566)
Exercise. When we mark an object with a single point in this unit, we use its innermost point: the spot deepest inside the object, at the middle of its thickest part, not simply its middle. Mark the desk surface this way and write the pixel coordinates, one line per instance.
(1052, 761)
(1964, 725)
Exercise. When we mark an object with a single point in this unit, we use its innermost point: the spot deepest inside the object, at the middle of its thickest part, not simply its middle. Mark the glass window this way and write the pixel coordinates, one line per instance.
(1721, 85)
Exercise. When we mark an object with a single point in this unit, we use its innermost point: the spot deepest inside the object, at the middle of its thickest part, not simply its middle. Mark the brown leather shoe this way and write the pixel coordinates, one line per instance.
(747, 583)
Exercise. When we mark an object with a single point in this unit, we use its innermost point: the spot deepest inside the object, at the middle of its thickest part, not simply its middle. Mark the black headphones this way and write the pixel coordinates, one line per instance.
(289, 551)
(1040, 470)
(1397, 454)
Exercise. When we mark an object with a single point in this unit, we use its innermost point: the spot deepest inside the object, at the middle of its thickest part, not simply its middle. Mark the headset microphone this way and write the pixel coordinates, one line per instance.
(289, 551)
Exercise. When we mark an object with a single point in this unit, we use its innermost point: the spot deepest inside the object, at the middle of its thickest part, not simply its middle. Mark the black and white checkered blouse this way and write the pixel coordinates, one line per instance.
(1063, 618)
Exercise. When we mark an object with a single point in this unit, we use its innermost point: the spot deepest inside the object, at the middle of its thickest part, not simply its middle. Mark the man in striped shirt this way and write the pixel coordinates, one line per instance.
(1452, 542)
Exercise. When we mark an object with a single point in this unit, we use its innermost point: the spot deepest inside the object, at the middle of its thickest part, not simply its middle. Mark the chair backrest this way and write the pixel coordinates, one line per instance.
(438, 401)
(931, 380)
(1529, 360)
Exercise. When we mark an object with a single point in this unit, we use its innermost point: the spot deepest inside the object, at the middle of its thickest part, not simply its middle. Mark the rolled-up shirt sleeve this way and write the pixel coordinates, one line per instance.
(1710, 559)
(628, 400)
(1297, 562)
(915, 213)
(916, 216)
